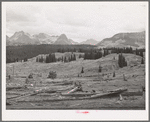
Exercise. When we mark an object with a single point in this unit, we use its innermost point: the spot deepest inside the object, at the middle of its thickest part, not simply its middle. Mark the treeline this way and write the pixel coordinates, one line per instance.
(24, 52)
(102, 52)
(18, 53)
(93, 55)
(9, 60)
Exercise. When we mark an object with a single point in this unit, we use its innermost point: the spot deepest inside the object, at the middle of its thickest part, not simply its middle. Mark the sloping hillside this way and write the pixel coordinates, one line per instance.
(124, 40)
(74, 68)
(91, 80)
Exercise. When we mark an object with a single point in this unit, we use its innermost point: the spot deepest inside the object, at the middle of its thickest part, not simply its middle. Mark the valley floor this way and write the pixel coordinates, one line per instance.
(91, 80)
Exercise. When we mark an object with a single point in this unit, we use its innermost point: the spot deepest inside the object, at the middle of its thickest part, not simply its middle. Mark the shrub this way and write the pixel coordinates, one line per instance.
(52, 75)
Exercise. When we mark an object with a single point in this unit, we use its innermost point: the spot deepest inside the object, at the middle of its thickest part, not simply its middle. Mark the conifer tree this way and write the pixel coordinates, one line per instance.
(99, 69)
(141, 53)
(114, 74)
(65, 60)
(121, 61)
(80, 56)
(82, 71)
(142, 61)
(74, 57)
(62, 59)
(36, 59)
(71, 59)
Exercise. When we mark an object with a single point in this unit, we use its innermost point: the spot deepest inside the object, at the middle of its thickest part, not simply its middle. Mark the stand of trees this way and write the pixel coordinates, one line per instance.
(69, 59)
(49, 58)
(121, 61)
(92, 55)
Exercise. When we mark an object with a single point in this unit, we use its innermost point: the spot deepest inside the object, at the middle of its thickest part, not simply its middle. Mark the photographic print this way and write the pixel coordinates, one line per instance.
(81, 56)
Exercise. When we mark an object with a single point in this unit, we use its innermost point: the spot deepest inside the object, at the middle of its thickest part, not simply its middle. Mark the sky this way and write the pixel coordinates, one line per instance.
(78, 20)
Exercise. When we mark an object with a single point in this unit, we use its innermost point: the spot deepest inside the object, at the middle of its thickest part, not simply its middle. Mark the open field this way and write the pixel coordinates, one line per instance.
(70, 72)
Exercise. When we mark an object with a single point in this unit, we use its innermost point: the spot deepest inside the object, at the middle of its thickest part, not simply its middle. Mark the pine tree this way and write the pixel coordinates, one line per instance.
(74, 57)
(65, 60)
(41, 58)
(104, 53)
(142, 61)
(82, 71)
(47, 59)
(131, 51)
(62, 59)
(114, 74)
(100, 70)
(141, 53)
(54, 58)
(36, 59)
(80, 56)
(121, 61)
(137, 52)
(71, 59)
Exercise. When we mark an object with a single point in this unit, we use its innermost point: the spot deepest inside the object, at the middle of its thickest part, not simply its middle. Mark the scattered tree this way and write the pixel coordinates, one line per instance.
(114, 74)
(142, 61)
(124, 78)
(52, 75)
(100, 69)
(82, 71)
(121, 61)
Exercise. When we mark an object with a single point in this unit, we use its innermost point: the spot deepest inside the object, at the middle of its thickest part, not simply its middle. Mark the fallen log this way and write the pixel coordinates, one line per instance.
(35, 93)
(74, 90)
(77, 94)
(139, 93)
(15, 87)
(65, 83)
(117, 90)
(112, 93)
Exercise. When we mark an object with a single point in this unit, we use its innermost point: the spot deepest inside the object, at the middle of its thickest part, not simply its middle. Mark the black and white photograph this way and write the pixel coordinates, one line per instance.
(87, 57)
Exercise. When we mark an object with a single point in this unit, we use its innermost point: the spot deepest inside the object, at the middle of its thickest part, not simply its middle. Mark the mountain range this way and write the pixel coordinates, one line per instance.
(136, 39)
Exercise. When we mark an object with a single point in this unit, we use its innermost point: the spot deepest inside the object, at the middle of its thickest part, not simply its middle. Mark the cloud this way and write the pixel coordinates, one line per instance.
(78, 20)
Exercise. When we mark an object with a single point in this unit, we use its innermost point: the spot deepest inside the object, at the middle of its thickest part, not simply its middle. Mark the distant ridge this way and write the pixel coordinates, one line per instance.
(90, 41)
(136, 40)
